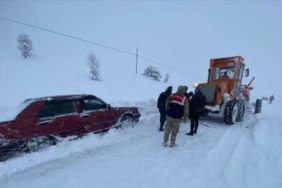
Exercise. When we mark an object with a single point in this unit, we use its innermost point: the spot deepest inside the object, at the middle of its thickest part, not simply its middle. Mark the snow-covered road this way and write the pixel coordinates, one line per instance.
(243, 155)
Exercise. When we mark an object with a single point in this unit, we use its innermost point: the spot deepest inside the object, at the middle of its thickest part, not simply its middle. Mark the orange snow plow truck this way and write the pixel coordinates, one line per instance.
(225, 93)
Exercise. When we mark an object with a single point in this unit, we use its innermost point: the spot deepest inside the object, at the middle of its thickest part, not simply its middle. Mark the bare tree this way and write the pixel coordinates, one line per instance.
(25, 45)
(166, 78)
(94, 65)
(153, 73)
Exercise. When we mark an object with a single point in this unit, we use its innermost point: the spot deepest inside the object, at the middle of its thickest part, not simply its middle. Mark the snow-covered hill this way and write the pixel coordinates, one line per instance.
(183, 36)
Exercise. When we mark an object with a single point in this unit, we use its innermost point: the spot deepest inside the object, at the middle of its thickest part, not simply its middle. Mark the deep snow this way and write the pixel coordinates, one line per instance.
(247, 154)
(243, 155)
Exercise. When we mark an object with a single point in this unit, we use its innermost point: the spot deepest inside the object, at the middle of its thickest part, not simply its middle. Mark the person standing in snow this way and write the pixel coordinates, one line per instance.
(177, 108)
(161, 106)
(271, 98)
(196, 107)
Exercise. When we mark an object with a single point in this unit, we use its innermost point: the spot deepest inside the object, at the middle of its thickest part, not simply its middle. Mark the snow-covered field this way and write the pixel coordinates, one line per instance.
(245, 155)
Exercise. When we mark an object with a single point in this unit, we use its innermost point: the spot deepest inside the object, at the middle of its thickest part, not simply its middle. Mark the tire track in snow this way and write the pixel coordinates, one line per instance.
(238, 168)
(257, 160)
(173, 166)
(213, 166)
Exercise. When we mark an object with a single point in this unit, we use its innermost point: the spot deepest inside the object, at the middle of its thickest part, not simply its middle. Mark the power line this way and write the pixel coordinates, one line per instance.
(66, 35)
(168, 67)
(83, 40)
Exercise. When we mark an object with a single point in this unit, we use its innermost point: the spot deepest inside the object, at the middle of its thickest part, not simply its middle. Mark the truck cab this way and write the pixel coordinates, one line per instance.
(227, 73)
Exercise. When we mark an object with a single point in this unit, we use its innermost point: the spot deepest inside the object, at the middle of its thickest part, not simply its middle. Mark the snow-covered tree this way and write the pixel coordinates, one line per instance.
(153, 73)
(94, 65)
(25, 45)
(166, 78)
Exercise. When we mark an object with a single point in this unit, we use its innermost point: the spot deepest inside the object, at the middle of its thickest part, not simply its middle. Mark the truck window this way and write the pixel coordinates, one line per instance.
(223, 72)
(239, 83)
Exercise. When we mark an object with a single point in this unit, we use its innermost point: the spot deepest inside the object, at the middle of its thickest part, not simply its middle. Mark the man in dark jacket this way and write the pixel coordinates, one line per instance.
(196, 106)
(161, 106)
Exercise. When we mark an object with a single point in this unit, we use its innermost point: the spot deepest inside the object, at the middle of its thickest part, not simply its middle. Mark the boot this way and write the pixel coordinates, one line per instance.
(172, 145)
(190, 133)
(191, 130)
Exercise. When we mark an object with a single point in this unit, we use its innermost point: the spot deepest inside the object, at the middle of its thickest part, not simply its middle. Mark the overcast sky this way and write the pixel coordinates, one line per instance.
(180, 34)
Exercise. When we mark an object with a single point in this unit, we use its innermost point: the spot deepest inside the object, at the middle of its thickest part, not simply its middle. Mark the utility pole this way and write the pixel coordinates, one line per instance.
(136, 59)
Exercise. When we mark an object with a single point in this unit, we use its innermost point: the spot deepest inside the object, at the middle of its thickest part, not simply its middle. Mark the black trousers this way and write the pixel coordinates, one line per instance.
(162, 117)
(194, 123)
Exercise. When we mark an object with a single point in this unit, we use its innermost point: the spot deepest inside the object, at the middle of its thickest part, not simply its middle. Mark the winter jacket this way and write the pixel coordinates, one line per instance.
(163, 98)
(197, 104)
(177, 105)
(188, 95)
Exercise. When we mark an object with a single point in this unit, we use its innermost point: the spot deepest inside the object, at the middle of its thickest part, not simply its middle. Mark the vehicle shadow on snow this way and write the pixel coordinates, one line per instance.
(213, 120)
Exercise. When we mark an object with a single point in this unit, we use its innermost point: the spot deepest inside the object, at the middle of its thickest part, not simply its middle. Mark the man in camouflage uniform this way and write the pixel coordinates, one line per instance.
(177, 108)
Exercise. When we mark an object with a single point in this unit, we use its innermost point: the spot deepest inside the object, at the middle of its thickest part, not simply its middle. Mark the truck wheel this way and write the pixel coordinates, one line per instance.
(231, 112)
(241, 110)
(258, 106)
